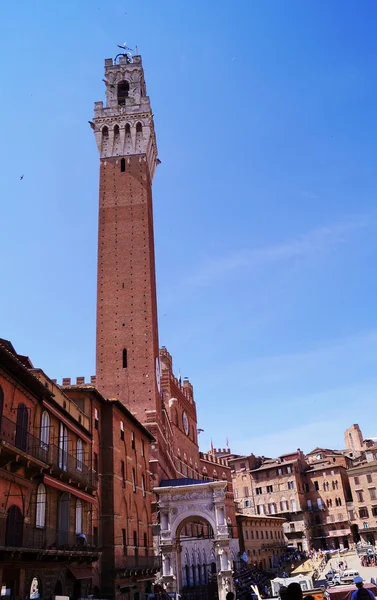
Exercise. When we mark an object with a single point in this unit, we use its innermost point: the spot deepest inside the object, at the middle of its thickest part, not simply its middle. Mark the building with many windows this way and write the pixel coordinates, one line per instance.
(74, 481)
(311, 492)
(363, 509)
(262, 539)
(49, 488)
(274, 487)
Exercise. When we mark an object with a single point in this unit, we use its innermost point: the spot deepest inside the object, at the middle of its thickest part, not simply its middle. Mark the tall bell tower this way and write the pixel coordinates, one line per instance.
(127, 351)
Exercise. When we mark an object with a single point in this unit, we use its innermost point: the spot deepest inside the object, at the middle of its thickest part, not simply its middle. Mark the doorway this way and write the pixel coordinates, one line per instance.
(14, 527)
(22, 427)
(63, 520)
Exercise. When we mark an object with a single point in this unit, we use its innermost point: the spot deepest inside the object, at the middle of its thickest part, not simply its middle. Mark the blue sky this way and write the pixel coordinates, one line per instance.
(265, 202)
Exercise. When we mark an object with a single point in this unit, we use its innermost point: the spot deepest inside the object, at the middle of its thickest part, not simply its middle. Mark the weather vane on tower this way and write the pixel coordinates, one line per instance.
(127, 52)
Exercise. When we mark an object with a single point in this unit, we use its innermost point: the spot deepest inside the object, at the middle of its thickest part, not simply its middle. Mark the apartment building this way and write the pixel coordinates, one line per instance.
(363, 509)
(49, 526)
(274, 487)
(75, 516)
(262, 539)
(327, 493)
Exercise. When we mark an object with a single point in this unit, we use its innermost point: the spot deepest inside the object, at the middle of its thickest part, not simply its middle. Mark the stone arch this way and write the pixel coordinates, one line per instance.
(180, 504)
(187, 517)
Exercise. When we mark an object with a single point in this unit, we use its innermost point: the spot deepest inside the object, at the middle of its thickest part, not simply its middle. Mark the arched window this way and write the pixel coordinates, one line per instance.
(105, 132)
(78, 516)
(187, 575)
(128, 129)
(45, 430)
(14, 527)
(40, 513)
(123, 165)
(79, 454)
(139, 127)
(22, 427)
(123, 89)
(116, 130)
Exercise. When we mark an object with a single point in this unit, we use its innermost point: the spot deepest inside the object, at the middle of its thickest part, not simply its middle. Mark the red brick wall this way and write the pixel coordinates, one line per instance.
(125, 506)
(126, 302)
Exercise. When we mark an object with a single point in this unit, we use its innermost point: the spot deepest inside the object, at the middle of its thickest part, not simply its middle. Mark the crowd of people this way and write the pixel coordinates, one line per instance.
(247, 576)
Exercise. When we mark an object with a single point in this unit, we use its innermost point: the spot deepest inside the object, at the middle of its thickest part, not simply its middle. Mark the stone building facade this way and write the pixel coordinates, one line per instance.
(311, 492)
(49, 488)
(274, 487)
(128, 562)
(327, 493)
(262, 539)
(363, 509)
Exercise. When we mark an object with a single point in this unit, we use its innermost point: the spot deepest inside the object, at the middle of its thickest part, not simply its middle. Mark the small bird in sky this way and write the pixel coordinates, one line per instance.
(21, 178)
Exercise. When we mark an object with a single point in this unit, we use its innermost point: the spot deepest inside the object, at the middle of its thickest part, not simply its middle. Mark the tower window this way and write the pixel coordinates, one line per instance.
(124, 358)
(105, 132)
(123, 168)
(128, 129)
(123, 89)
(116, 130)
(139, 127)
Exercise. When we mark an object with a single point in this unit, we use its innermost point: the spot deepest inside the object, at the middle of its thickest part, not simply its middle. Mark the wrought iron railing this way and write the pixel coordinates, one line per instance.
(68, 463)
(28, 536)
(51, 454)
(19, 438)
(142, 562)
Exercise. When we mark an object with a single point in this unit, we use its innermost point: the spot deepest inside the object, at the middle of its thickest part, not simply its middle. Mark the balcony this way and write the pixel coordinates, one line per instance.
(293, 535)
(139, 564)
(273, 545)
(52, 544)
(314, 508)
(331, 533)
(19, 446)
(71, 469)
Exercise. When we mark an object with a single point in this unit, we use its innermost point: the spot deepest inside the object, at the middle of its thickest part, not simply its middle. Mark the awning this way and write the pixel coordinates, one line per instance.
(82, 572)
(67, 488)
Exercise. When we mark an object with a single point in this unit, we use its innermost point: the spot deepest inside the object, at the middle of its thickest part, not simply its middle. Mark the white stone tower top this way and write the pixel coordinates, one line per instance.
(125, 126)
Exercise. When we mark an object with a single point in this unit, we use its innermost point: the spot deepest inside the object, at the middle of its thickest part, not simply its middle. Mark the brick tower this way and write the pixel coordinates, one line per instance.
(127, 363)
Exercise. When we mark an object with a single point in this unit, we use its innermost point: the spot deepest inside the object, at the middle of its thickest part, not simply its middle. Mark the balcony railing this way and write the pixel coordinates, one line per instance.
(15, 436)
(68, 463)
(31, 537)
(141, 563)
(314, 508)
(273, 545)
(21, 440)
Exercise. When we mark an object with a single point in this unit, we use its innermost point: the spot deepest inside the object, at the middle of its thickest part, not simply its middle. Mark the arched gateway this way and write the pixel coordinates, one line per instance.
(179, 502)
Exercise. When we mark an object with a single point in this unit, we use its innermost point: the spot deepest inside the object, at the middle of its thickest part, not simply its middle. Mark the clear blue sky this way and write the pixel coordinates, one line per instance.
(265, 202)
